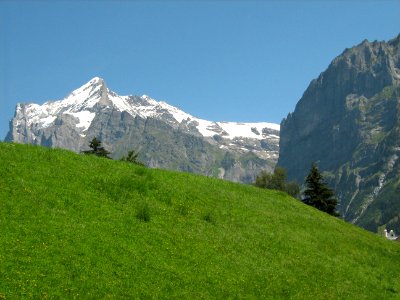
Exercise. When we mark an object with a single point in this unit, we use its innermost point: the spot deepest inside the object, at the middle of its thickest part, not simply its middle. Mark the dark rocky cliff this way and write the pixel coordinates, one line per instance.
(348, 122)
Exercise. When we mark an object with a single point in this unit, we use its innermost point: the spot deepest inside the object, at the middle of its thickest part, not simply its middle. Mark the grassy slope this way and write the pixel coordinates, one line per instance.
(68, 228)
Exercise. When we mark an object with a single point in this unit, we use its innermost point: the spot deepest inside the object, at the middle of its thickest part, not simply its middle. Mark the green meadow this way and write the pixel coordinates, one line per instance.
(79, 226)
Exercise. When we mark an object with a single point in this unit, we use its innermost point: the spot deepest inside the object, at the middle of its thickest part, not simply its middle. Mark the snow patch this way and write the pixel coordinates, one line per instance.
(85, 118)
(121, 103)
(46, 122)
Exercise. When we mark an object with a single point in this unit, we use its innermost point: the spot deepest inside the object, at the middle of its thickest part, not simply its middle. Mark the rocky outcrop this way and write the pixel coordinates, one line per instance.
(348, 121)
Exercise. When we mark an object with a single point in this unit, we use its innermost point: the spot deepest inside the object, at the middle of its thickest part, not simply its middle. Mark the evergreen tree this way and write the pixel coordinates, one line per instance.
(318, 194)
(97, 149)
(132, 158)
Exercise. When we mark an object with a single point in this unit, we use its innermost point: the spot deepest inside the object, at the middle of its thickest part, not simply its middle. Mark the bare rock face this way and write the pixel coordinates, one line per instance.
(165, 136)
(348, 122)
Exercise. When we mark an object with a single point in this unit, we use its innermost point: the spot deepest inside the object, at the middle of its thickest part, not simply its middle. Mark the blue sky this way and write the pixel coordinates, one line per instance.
(218, 60)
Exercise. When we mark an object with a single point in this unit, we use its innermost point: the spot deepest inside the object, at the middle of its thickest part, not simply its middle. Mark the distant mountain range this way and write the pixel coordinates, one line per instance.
(165, 136)
(348, 121)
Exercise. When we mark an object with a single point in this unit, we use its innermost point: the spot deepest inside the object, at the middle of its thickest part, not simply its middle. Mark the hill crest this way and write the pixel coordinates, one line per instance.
(70, 228)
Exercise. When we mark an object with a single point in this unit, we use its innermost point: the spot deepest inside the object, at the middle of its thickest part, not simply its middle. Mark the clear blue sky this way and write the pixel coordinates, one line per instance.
(218, 60)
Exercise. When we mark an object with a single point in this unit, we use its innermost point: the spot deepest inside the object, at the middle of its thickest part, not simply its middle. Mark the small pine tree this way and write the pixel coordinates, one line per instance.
(97, 149)
(318, 194)
(132, 158)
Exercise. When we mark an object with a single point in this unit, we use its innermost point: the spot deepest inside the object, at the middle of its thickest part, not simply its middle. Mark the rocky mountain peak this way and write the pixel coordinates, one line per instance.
(168, 136)
(348, 121)
(362, 70)
(95, 90)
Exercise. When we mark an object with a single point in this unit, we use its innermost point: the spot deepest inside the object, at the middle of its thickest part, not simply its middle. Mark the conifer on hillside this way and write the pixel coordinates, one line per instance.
(97, 149)
(318, 194)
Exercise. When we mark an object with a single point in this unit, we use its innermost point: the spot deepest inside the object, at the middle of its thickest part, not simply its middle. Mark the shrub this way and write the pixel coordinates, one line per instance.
(277, 181)
(143, 212)
(209, 217)
(132, 158)
(182, 209)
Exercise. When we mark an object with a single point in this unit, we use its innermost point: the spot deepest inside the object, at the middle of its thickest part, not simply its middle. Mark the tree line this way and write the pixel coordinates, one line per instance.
(316, 193)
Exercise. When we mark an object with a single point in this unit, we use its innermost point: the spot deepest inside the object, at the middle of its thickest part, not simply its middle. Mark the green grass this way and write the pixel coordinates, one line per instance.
(75, 226)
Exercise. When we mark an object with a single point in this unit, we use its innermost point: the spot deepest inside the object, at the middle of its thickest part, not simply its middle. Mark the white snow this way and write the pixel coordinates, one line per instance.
(245, 129)
(76, 104)
(273, 136)
(204, 126)
(155, 109)
(46, 122)
(235, 129)
(178, 114)
(85, 118)
(121, 102)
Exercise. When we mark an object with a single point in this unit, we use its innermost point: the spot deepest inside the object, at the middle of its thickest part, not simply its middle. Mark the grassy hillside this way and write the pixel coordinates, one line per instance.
(72, 226)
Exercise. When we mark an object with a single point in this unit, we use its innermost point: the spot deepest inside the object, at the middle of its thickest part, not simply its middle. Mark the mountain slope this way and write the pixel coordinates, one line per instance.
(348, 122)
(70, 229)
(166, 136)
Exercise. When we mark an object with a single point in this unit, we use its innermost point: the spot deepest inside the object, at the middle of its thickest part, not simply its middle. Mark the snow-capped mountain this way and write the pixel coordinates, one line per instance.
(123, 122)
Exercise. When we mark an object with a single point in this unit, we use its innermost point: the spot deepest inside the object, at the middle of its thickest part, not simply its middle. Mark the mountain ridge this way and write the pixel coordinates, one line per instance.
(94, 110)
(348, 122)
